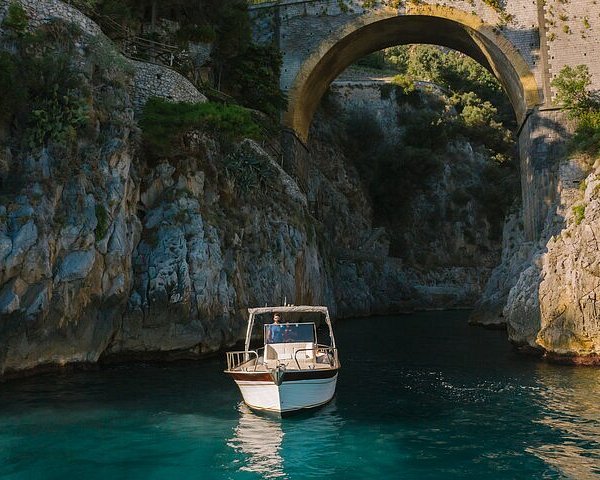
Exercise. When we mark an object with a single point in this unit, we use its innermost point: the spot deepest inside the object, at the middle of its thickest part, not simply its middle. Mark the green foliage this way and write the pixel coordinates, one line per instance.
(103, 223)
(14, 93)
(405, 84)
(119, 11)
(495, 4)
(587, 133)
(249, 171)
(391, 172)
(164, 122)
(374, 60)
(16, 19)
(253, 79)
(394, 172)
(234, 33)
(451, 70)
(196, 33)
(571, 86)
(56, 118)
(48, 101)
(397, 58)
(579, 213)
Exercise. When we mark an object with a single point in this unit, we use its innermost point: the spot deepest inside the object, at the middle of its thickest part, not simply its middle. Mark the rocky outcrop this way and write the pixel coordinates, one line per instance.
(516, 257)
(66, 261)
(560, 316)
(108, 252)
(545, 292)
(203, 258)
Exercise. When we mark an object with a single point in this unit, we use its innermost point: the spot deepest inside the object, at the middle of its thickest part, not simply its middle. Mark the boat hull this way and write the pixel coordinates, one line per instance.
(296, 391)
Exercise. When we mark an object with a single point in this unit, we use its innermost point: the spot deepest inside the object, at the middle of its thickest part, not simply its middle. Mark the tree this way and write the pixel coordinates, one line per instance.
(572, 84)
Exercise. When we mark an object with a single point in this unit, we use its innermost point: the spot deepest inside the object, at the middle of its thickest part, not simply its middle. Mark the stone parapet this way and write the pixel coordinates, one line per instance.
(152, 80)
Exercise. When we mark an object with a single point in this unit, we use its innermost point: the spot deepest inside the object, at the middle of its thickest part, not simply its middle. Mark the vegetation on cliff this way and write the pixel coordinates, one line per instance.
(457, 104)
(572, 86)
(238, 67)
(163, 123)
(62, 91)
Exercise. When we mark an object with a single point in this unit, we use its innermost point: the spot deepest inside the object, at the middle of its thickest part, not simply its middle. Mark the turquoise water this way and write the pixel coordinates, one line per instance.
(419, 397)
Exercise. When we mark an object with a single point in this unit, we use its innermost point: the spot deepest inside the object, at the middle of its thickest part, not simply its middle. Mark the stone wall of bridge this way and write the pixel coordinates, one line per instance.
(534, 38)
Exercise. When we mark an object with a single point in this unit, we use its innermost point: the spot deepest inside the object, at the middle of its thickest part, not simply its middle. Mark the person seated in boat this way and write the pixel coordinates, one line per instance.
(276, 319)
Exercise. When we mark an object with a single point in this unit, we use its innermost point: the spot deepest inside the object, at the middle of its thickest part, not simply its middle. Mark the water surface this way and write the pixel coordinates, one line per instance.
(420, 396)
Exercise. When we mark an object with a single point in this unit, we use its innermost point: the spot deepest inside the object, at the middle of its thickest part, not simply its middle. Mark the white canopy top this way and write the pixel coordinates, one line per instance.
(290, 309)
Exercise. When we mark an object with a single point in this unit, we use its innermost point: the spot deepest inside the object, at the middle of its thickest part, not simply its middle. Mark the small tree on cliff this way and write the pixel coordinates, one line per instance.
(572, 91)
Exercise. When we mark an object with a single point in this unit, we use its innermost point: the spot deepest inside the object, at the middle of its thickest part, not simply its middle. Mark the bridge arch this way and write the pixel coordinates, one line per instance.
(438, 25)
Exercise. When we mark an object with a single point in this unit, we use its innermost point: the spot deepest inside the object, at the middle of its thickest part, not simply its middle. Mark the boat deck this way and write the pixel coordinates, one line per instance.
(260, 365)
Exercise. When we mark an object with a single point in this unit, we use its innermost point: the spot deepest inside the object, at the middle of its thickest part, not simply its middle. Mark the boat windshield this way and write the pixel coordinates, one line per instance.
(290, 333)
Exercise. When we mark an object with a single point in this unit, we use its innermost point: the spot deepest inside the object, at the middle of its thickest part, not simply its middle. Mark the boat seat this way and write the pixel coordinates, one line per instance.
(286, 351)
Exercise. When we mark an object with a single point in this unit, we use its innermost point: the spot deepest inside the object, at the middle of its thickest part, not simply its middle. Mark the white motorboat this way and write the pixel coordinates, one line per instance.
(291, 371)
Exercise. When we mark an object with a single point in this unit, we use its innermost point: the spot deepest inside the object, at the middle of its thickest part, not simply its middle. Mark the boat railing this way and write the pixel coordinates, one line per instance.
(326, 349)
(247, 358)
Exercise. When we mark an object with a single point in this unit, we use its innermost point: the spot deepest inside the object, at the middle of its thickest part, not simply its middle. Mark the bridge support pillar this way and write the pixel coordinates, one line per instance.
(296, 159)
(542, 141)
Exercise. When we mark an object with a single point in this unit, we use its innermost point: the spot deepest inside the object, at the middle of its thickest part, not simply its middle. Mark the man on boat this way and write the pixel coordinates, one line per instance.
(274, 333)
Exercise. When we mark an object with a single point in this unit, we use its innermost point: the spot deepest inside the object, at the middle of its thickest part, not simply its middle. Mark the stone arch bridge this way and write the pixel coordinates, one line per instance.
(522, 42)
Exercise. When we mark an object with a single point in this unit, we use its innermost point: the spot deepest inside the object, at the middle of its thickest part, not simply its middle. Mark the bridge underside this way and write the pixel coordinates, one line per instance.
(466, 34)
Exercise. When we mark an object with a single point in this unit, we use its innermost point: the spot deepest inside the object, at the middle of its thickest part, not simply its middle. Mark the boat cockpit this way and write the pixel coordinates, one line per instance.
(293, 345)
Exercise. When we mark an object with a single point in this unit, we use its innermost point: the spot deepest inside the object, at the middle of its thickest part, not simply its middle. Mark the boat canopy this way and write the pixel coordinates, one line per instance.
(287, 309)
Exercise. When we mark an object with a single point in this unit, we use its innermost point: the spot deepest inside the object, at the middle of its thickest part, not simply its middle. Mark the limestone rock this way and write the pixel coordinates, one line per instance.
(76, 266)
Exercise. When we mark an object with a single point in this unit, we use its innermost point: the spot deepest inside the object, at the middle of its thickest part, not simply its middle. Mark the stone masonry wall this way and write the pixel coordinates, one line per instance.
(541, 146)
(573, 35)
(304, 25)
(152, 80)
(40, 11)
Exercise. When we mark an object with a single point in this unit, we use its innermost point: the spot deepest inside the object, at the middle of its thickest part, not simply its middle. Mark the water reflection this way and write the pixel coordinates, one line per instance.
(273, 446)
(259, 438)
(570, 407)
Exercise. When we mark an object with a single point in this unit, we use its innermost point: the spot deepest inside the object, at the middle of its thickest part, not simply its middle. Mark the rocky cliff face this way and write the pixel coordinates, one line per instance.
(433, 248)
(108, 252)
(553, 306)
(545, 292)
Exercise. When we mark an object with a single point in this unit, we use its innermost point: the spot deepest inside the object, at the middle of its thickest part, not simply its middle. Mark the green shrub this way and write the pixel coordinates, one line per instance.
(16, 19)
(249, 171)
(102, 219)
(405, 84)
(579, 213)
(253, 79)
(587, 134)
(14, 92)
(572, 91)
(571, 86)
(48, 100)
(56, 119)
(163, 122)
(374, 60)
